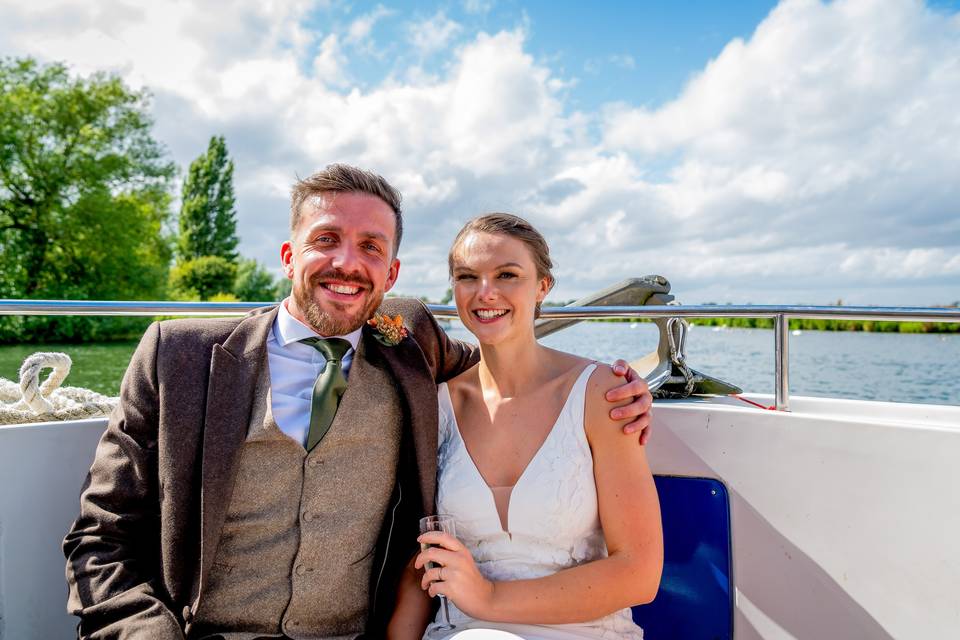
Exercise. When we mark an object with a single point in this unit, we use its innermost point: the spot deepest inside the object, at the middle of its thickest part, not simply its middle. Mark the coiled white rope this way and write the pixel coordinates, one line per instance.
(30, 401)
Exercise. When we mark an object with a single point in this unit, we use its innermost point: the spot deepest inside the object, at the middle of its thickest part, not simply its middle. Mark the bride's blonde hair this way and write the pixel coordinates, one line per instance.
(515, 227)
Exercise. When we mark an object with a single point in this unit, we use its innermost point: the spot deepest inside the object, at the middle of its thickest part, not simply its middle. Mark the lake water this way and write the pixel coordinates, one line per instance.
(843, 364)
(869, 366)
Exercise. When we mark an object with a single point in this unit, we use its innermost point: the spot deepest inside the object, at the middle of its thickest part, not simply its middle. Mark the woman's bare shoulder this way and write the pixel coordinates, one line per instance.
(602, 380)
(566, 363)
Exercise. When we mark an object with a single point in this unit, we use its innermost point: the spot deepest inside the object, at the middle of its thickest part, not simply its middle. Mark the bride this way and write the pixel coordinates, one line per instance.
(557, 519)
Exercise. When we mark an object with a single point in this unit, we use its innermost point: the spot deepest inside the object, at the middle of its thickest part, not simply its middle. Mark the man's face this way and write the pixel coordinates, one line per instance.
(340, 261)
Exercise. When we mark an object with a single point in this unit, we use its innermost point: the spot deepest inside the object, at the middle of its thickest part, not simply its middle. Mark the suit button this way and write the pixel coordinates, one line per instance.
(300, 570)
(307, 516)
(290, 625)
(187, 615)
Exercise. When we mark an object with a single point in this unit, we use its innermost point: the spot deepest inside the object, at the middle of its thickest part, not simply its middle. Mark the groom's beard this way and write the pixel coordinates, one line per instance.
(330, 318)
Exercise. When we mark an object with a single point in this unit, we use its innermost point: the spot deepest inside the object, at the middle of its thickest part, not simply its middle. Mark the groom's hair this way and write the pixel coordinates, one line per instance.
(343, 178)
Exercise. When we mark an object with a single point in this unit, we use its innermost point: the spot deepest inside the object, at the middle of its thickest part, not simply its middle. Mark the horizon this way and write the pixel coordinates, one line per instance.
(765, 151)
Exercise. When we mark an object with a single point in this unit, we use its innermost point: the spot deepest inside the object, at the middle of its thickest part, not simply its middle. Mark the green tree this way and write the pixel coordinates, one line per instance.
(203, 277)
(254, 283)
(283, 289)
(208, 220)
(84, 194)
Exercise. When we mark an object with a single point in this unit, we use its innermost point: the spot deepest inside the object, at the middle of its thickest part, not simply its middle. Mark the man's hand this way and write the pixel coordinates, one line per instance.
(639, 409)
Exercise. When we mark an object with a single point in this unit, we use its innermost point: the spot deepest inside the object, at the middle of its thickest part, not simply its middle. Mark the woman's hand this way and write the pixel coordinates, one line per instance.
(455, 575)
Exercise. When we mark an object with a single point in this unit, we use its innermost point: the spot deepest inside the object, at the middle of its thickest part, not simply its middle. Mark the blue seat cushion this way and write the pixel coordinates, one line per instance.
(695, 600)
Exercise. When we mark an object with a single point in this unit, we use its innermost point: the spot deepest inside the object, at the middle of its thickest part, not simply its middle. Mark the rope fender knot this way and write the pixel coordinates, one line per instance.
(31, 401)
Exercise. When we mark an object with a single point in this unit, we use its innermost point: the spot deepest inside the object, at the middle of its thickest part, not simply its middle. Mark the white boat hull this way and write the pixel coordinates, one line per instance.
(845, 514)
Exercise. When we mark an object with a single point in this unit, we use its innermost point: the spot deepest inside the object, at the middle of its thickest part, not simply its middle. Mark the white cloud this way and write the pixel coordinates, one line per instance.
(433, 34)
(329, 62)
(624, 60)
(361, 28)
(477, 6)
(814, 79)
(833, 122)
(815, 160)
(901, 264)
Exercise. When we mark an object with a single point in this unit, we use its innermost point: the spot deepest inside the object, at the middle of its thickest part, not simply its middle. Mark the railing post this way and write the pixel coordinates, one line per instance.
(782, 355)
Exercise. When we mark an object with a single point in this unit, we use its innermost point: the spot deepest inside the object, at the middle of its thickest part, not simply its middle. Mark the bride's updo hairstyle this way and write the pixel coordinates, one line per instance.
(516, 227)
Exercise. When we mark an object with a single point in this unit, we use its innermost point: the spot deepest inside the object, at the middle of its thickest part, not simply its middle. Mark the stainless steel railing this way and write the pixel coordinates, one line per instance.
(780, 314)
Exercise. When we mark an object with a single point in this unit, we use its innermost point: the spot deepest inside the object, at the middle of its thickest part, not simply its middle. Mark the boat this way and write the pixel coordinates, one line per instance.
(784, 516)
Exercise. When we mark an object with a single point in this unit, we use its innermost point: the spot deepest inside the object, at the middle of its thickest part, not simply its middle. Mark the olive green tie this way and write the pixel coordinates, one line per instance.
(330, 385)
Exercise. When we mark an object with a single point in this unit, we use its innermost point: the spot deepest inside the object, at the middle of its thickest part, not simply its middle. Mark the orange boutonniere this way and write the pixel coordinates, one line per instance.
(390, 331)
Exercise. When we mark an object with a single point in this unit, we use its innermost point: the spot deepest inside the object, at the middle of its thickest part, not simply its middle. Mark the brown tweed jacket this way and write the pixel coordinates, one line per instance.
(153, 505)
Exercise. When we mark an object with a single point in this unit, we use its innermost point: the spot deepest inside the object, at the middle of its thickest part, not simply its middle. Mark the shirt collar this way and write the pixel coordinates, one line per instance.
(288, 329)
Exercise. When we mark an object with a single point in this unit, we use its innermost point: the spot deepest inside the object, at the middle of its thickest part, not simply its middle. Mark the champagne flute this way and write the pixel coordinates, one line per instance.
(445, 524)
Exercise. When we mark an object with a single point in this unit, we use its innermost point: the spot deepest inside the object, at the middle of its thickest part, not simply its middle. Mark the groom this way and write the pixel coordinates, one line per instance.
(243, 489)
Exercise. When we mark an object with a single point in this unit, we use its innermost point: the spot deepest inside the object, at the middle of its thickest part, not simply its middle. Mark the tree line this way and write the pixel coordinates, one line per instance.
(815, 324)
(86, 207)
(819, 324)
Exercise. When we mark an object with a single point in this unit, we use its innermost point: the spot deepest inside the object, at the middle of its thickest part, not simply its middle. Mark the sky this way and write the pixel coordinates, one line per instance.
(800, 152)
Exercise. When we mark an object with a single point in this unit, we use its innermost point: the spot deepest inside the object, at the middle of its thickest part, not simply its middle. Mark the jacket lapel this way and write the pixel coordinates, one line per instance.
(412, 376)
(234, 370)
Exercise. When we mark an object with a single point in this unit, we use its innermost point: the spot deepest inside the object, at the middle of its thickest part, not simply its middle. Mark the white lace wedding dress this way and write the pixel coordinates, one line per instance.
(552, 518)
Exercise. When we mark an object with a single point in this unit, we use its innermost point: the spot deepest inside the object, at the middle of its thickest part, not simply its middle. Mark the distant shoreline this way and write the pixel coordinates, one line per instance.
(812, 324)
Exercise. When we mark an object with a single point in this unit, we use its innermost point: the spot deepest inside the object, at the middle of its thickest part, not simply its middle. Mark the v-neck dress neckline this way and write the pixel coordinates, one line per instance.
(444, 396)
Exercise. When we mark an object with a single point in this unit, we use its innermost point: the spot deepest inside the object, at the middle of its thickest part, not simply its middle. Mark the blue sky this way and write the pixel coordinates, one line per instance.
(641, 52)
(798, 151)
(638, 52)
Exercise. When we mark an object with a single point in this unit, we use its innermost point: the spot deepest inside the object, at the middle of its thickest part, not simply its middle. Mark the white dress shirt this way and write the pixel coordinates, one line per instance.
(294, 367)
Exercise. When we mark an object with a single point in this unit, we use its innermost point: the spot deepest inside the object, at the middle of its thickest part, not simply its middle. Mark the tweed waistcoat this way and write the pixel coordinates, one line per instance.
(296, 549)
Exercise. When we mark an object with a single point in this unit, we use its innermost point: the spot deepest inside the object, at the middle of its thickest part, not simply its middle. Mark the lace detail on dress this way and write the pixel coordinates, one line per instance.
(553, 515)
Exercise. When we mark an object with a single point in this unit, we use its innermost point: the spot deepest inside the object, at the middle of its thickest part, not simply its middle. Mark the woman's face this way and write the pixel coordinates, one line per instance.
(496, 288)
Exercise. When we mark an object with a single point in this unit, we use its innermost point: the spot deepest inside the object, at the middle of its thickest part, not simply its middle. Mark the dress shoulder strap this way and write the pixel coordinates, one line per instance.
(446, 415)
(580, 386)
(576, 400)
